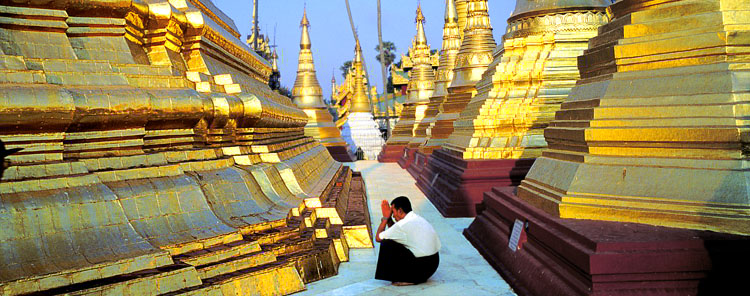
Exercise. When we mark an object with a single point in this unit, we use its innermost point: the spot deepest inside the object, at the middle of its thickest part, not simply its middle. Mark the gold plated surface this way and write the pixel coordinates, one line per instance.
(444, 74)
(420, 88)
(653, 131)
(472, 60)
(530, 76)
(309, 96)
(359, 100)
(154, 154)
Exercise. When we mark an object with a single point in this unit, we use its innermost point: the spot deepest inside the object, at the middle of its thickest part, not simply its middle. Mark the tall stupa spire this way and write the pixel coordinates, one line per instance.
(306, 92)
(420, 88)
(308, 95)
(473, 58)
(360, 127)
(444, 75)
(359, 99)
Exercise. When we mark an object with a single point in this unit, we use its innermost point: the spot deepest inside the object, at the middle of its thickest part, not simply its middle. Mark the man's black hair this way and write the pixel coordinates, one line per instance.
(403, 203)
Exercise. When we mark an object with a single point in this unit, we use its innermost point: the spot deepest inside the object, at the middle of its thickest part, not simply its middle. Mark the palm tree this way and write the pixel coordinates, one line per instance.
(382, 56)
(345, 68)
(389, 51)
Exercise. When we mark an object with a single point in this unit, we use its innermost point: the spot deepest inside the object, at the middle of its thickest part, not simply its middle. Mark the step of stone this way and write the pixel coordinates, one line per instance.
(219, 253)
(316, 263)
(357, 224)
(275, 278)
(156, 281)
(235, 263)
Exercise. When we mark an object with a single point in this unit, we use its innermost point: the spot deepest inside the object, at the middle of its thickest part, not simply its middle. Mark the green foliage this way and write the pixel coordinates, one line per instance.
(284, 91)
(389, 51)
(345, 68)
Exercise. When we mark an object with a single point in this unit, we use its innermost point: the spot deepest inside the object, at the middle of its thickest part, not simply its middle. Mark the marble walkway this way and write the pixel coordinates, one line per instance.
(462, 270)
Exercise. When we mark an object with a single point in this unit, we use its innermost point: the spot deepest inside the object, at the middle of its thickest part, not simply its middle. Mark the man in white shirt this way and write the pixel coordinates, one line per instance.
(408, 248)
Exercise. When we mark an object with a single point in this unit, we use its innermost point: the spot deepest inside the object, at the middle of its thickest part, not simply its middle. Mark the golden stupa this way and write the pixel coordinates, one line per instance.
(643, 189)
(500, 132)
(443, 78)
(653, 131)
(472, 60)
(308, 95)
(359, 126)
(420, 88)
(156, 158)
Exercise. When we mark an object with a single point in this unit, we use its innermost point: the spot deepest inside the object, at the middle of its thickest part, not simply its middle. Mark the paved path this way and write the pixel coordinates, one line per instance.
(462, 270)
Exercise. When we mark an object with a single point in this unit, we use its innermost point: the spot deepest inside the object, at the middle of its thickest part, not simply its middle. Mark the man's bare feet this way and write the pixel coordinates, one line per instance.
(400, 284)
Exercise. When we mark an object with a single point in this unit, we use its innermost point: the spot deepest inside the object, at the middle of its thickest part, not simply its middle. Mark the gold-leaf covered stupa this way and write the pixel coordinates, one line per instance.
(156, 158)
(500, 132)
(420, 88)
(308, 95)
(643, 189)
(472, 60)
(444, 76)
(360, 126)
(654, 131)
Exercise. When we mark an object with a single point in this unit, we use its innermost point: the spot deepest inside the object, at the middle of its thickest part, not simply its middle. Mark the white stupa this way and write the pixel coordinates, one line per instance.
(360, 126)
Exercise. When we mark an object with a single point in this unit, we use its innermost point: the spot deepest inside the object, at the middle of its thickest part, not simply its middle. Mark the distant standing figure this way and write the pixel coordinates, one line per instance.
(408, 248)
(360, 154)
(3, 153)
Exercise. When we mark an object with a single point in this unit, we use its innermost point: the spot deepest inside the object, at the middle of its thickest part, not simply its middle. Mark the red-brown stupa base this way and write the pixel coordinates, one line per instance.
(420, 162)
(407, 158)
(341, 153)
(455, 186)
(585, 257)
(391, 153)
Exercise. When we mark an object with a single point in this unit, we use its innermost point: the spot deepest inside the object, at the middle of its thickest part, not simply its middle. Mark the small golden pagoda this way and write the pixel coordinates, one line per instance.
(472, 60)
(500, 132)
(643, 189)
(360, 125)
(308, 95)
(359, 100)
(443, 78)
(420, 89)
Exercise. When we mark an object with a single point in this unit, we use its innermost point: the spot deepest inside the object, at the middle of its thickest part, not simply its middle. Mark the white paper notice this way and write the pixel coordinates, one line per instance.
(515, 236)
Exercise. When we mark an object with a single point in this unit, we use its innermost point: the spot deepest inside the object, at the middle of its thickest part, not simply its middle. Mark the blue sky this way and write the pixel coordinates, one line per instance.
(332, 41)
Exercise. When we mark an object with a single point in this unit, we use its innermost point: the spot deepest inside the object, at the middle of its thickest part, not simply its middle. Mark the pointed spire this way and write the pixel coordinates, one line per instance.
(304, 22)
(305, 42)
(422, 77)
(360, 103)
(274, 63)
(306, 92)
(451, 15)
(477, 46)
(421, 38)
(449, 50)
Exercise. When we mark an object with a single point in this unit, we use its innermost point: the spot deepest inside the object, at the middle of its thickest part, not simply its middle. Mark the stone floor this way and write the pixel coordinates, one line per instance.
(462, 270)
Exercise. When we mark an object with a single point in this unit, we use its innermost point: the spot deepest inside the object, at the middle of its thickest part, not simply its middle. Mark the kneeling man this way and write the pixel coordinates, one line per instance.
(408, 248)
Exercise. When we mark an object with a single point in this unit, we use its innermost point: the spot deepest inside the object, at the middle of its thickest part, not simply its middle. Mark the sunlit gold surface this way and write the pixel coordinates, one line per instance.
(420, 88)
(444, 75)
(654, 130)
(309, 96)
(472, 60)
(151, 138)
(530, 76)
(357, 125)
(359, 101)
